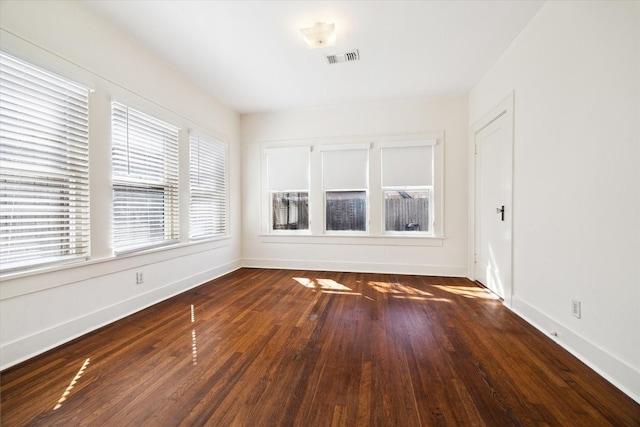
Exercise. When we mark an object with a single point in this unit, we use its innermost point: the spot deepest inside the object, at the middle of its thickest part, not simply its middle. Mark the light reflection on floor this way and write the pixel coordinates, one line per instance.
(73, 382)
(194, 342)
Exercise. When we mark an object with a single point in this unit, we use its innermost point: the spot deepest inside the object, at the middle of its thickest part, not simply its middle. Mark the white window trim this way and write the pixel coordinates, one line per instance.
(76, 171)
(266, 214)
(171, 236)
(375, 234)
(362, 146)
(101, 260)
(436, 140)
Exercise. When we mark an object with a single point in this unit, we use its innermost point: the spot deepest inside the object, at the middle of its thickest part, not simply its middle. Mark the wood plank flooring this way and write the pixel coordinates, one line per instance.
(299, 348)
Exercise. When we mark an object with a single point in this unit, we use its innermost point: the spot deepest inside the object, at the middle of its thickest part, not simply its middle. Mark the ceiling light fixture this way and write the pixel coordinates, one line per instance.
(320, 35)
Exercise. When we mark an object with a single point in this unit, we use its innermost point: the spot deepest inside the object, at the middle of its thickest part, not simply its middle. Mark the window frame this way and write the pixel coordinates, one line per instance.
(430, 210)
(268, 193)
(336, 148)
(169, 183)
(375, 234)
(366, 219)
(436, 168)
(216, 194)
(58, 156)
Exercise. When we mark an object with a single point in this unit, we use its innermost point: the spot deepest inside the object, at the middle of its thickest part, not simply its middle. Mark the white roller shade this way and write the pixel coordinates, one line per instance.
(44, 167)
(288, 168)
(407, 166)
(345, 169)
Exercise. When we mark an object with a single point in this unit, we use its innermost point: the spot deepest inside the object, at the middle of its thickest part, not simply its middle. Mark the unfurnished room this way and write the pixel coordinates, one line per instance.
(319, 213)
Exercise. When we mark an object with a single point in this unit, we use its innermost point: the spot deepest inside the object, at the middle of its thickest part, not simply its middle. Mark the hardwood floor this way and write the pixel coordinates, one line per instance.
(283, 348)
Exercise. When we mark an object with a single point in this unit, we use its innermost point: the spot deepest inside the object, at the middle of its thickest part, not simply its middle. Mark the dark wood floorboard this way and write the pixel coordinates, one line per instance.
(305, 348)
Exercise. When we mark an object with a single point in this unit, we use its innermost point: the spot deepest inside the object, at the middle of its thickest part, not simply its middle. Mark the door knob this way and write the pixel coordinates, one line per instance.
(500, 210)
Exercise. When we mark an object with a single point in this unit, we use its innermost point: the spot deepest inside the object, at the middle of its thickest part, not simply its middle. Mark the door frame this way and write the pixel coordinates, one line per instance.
(504, 108)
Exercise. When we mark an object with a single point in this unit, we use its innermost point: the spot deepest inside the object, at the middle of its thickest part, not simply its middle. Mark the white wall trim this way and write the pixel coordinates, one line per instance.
(614, 370)
(357, 267)
(24, 348)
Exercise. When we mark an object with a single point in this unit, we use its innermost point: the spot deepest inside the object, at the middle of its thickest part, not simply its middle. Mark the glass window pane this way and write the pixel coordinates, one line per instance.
(290, 211)
(406, 210)
(346, 210)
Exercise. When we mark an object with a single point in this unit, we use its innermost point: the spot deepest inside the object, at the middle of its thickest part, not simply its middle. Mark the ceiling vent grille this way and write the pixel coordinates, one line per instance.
(351, 56)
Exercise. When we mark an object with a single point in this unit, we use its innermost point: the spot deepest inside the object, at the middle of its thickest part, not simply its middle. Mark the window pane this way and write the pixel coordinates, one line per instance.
(290, 211)
(346, 210)
(138, 215)
(406, 210)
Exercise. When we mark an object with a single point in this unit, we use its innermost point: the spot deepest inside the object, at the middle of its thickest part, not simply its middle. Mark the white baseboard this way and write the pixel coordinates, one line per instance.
(358, 267)
(20, 350)
(617, 372)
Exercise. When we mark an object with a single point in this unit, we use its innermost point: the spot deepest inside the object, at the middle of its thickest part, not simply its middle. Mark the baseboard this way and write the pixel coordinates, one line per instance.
(25, 348)
(617, 372)
(358, 267)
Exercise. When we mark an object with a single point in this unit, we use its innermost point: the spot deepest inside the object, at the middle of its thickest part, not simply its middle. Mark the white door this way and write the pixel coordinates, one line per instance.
(493, 185)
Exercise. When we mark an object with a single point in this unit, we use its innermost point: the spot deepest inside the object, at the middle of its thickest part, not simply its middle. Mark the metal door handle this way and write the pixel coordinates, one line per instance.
(501, 212)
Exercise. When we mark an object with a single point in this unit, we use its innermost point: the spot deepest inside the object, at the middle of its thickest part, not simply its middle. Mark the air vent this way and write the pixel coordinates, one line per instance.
(353, 55)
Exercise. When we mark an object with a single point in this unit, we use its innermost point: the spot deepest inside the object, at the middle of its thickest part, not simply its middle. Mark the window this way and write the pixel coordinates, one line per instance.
(345, 183)
(44, 177)
(288, 187)
(407, 186)
(290, 211)
(207, 187)
(145, 180)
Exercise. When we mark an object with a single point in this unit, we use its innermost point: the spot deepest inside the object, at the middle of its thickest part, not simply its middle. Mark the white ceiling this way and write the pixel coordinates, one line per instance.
(250, 55)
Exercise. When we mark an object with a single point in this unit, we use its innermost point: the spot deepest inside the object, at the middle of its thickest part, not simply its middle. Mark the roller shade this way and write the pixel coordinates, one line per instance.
(407, 165)
(345, 168)
(288, 168)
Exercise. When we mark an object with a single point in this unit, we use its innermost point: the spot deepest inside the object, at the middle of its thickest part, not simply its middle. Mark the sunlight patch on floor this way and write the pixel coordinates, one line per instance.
(323, 284)
(468, 291)
(397, 288)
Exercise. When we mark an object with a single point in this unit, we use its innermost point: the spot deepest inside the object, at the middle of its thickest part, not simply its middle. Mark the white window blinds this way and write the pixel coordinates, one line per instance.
(207, 187)
(407, 165)
(145, 180)
(288, 168)
(345, 168)
(44, 192)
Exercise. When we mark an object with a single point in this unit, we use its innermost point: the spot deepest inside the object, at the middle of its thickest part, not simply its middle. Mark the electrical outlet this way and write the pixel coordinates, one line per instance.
(139, 277)
(576, 308)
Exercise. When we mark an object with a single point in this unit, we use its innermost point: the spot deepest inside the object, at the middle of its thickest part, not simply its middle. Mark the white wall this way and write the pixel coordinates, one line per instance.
(41, 310)
(576, 77)
(446, 257)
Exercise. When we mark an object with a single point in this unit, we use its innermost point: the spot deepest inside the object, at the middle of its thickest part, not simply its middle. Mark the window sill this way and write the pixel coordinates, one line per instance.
(387, 240)
(25, 282)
